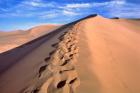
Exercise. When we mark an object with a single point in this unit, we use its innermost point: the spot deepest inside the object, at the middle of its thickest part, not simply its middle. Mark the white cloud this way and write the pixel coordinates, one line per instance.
(128, 10)
(110, 3)
(48, 14)
(94, 4)
(70, 13)
(119, 2)
(74, 9)
(51, 15)
(78, 5)
(37, 3)
(3, 9)
(17, 13)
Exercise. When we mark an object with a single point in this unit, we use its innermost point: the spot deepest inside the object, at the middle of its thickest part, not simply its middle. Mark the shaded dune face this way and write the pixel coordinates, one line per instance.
(90, 55)
(10, 40)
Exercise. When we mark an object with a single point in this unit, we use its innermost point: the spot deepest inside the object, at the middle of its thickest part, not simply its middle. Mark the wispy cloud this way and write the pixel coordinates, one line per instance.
(73, 9)
(34, 4)
(120, 8)
(37, 3)
(78, 5)
(109, 3)
(70, 13)
(3, 9)
(127, 10)
(50, 15)
(28, 8)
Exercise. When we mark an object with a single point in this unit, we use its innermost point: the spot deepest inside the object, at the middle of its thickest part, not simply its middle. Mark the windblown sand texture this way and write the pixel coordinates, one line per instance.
(91, 55)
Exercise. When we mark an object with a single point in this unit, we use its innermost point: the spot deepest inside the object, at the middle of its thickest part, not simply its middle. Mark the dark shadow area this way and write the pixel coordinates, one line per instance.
(61, 84)
(72, 81)
(43, 68)
(115, 18)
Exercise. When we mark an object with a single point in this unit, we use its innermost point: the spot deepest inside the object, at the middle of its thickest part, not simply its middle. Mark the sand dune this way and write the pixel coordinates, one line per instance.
(91, 55)
(10, 40)
(109, 56)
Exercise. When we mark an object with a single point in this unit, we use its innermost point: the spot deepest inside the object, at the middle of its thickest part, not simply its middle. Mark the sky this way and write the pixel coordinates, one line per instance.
(24, 14)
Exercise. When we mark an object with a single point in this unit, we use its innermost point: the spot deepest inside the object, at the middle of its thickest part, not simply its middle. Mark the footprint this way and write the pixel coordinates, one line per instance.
(61, 84)
(61, 37)
(35, 91)
(71, 55)
(51, 53)
(41, 70)
(55, 45)
(68, 41)
(66, 70)
(72, 81)
(69, 49)
(47, 59)
(65, 62)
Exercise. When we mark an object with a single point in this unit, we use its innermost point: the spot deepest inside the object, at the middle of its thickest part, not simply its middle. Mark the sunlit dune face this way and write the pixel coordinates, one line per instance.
(10, 40)
(109, 56)
(7, 47)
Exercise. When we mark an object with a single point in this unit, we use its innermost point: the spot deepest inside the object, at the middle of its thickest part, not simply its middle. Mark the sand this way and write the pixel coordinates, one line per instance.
(12, 39)
(109, 60)
(91, 55)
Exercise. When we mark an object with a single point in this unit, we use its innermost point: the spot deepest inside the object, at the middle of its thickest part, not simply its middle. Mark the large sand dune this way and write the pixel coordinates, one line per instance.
(109, 60)
(91, 55)
(10, 40)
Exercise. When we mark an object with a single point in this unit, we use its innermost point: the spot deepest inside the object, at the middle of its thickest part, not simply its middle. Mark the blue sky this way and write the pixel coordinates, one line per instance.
(23, 14)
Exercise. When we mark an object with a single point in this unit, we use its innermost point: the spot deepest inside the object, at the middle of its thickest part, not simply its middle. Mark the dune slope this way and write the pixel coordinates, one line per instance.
(10, 40)
(109, 60)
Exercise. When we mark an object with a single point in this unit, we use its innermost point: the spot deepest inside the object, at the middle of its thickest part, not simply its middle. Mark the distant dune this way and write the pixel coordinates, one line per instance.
(90, 55)
(10, 40)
